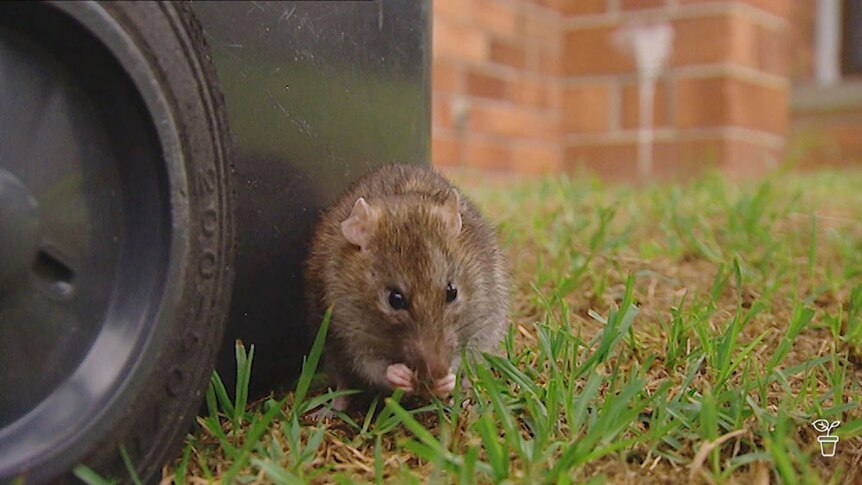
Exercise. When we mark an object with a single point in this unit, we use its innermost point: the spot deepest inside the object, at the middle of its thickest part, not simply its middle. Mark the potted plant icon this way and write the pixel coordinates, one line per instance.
(828, 442)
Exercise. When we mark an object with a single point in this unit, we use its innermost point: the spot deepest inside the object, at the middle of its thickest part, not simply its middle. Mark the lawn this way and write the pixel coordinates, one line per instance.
(659, 333)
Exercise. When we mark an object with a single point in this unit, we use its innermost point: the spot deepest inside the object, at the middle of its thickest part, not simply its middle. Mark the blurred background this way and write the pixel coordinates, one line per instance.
(632, 89)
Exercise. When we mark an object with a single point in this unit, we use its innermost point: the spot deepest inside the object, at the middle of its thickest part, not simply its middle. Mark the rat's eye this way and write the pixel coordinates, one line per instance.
(397, 300)
(451, 293)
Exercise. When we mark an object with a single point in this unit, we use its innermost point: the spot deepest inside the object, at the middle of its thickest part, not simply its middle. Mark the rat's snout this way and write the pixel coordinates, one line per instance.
(431, 360)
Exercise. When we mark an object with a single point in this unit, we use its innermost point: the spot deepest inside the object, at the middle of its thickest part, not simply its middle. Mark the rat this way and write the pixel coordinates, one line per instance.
(413, 274)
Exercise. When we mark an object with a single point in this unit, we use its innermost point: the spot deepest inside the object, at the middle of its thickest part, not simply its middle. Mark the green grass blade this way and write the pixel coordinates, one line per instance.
(130, 467)
(89, 476)
(243, 377)
(802, 316)
(378, 460)
(309, 365)
(419, 431)
(221, 394)
(498, 458)
(183, 466)
(277, 473)
(258, 427)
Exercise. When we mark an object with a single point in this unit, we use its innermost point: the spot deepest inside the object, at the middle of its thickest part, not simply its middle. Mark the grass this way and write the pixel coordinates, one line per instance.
(660, 333)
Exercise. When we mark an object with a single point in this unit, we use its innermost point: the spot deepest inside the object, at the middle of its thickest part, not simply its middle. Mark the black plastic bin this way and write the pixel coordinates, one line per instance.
(161, 168)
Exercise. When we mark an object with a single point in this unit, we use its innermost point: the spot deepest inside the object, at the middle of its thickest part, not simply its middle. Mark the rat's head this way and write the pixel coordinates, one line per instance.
(407, 251)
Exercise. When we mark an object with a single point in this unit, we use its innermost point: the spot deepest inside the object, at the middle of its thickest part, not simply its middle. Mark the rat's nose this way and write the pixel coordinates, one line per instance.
(430, 362)
(436, 369)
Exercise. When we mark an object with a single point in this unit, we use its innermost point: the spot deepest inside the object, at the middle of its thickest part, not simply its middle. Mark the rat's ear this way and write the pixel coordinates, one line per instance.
(359, 226)
(452, 212)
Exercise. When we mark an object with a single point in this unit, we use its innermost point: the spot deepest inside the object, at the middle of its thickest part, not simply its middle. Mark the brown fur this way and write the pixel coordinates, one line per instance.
(411, 250)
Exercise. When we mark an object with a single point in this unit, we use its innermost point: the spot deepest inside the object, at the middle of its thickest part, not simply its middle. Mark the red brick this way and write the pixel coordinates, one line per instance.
(671, 160)
(586, 109)
(487, 154)
(772, 50)
(508, 54)
(549, 63)
(529, 91)
(511, 120)
(848, 136)
(641, 4)
(614, 160)
(592, 51)
(451, 9)
(445, 151)
(828, 143)
(541, 30)
(702, 103)
(757, 46)
(801, 40)
(730, 37)
(458, 42)
(574, 7)
(702, 40)
(497, 17)
(445, 77)
(631, 105)
(485, 85)
(723, 101)
(781, 8)
(680, 159)
(441, 113)
(536, 158)
(746, 160)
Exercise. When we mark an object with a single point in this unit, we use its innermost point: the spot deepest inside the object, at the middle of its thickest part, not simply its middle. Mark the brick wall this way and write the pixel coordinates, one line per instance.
(539, 86)
(802, 19)
(496, 99)
(826, 121)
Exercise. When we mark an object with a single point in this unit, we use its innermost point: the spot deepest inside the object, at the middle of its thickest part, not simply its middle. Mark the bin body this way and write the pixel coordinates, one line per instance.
(317, 94)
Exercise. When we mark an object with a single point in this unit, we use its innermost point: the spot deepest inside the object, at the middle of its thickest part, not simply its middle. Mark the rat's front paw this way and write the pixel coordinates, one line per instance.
(444, 386)
(401, 377)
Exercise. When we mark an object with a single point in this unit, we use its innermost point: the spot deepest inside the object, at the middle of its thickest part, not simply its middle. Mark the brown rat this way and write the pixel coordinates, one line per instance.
(413, 274)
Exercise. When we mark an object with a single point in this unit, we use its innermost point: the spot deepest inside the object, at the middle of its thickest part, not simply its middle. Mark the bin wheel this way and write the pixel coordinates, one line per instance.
(116, 231)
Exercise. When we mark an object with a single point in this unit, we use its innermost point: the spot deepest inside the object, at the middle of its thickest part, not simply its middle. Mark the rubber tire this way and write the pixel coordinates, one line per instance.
(155, 407)
(167, 400)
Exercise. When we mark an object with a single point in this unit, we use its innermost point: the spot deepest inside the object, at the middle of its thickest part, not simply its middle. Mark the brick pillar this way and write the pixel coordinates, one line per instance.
(537, 86)
(722, 102)
(496, 103)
